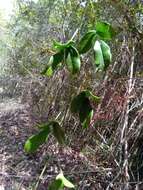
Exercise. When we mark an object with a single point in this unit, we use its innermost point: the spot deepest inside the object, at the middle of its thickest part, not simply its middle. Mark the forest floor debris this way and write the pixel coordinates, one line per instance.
(19, 171)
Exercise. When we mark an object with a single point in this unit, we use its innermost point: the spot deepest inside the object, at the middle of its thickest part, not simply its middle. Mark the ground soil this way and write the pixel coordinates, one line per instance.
(20, 171)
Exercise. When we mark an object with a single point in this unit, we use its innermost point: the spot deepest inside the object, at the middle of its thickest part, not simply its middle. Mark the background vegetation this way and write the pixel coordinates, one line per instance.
(108, 154)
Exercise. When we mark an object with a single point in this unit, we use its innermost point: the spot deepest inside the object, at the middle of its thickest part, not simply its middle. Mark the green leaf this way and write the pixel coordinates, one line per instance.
(53, 63)
(73, 60)
(90, 95)
(99, 60)
(105, 30)
(81, 104)
(106, 53)
(56, 185)
(77, 102)
(33, 143)
(49, 71)
(85, 109)
(76, 64)
(58, 132)
(69, 63)
(86, 41)
(88, 119)
(59, 46)
(57, 58)
(66, 182)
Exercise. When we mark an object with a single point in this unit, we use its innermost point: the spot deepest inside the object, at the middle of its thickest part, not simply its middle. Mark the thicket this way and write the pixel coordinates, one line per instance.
(108, 100)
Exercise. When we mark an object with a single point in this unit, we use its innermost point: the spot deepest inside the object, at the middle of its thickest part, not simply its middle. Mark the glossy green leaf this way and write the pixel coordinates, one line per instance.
(66, 182)
(62, 46)
(73, 60)
(106, 53)
(57, 58)
(58, 132)
(105, 30)
(57, 185)
(86, 41)
(98, 56)
(33, 143)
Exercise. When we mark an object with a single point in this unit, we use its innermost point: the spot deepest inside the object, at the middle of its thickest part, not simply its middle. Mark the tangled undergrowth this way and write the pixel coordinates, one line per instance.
(107, 155)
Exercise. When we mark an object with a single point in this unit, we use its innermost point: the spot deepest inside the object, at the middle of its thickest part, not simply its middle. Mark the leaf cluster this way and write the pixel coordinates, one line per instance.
(69, 53)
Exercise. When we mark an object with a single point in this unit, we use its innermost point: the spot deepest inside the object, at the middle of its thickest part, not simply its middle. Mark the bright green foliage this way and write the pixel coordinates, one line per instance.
(88, 119)
(48, 71)
(59, 46)
(81, 105)
(106, 53)
(86, 41)
(66, 182)
(105, 30)
(33, 143)
(56, 59)
(91, 96)
(98, 55)
(102, 54)
(61, 182)
(53, 63)
(73, 60)
(69, 55)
